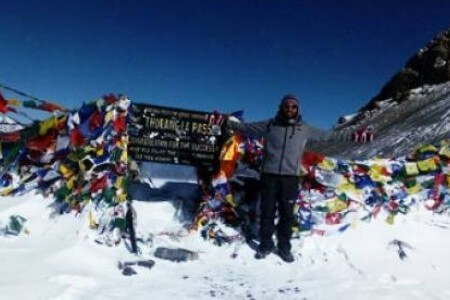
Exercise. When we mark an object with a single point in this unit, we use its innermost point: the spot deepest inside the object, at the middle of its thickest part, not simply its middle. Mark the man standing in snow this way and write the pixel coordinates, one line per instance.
(285, 138)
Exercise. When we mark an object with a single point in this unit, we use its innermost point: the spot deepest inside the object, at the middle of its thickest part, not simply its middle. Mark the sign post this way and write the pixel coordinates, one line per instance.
(175, 136)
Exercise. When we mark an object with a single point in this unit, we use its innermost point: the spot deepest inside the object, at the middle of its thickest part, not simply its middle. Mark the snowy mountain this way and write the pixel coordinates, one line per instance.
(429, 66)
(413, 108)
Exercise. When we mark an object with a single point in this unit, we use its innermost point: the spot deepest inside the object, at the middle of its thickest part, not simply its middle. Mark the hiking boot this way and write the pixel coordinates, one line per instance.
(286, 256)
(262, 253)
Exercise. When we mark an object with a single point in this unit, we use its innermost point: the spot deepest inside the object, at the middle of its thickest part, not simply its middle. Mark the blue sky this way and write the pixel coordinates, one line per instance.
(214, 55)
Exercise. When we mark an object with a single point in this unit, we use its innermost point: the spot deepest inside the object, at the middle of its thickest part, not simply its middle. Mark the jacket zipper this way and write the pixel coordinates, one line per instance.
(284, 148)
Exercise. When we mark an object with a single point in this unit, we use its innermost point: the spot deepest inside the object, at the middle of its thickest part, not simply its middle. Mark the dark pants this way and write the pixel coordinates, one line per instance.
(277, 192)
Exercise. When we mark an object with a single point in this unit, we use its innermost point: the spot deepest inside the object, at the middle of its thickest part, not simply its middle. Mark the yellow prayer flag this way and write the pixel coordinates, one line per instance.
(327, 164)
(124, 156)
(46, 125)
(6, 192)
(109, 116)
(427, 165)
(99, 151)
(201, 221)
(70, 184)
(14, 102)
(93, 224)
(230, 199)
(376, 173)
(231, 150)
(122, 144)
(379, 178)
(376, 168)
(122, 197)
(390, 219)
(336, 205)
(65, 171)
(411, 168)
(119, 182)
(414, 189)
(445, 151)
(347, 188)
(428, 148)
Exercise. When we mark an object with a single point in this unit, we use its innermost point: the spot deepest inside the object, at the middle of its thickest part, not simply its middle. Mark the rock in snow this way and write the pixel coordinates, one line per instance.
(176, 255)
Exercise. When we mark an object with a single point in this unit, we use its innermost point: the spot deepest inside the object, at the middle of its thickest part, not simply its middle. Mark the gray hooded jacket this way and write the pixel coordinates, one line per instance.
(285, 143)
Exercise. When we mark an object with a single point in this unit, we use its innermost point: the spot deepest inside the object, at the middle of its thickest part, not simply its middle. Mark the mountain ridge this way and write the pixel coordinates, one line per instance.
(415, 98)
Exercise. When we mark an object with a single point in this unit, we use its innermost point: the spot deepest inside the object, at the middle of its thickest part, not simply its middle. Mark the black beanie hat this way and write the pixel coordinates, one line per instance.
(280, 107)
(289, 96)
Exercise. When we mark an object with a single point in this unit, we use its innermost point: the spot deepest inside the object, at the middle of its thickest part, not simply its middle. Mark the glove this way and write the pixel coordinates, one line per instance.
(363, 135)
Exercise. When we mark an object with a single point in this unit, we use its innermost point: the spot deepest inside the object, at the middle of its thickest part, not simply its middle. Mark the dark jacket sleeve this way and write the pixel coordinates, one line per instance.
(254, 128)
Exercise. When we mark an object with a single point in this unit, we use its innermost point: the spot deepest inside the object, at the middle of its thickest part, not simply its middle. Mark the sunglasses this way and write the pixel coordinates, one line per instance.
(290, 106)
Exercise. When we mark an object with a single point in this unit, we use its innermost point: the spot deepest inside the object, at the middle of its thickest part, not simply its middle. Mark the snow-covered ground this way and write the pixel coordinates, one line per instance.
(57, 256)
(59, 259)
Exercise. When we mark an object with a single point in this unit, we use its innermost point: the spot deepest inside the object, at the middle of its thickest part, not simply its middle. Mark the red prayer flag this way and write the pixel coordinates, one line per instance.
(110, 99)
(3, 105)
(332, 218)
(96, 120)
(10, 137)
(76, 138)
(98, 184)
(311, 158)
(120, 124)
(41, 143)
(50, 107)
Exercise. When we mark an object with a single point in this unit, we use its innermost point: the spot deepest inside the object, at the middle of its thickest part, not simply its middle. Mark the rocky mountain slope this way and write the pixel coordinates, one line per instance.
(411, 109)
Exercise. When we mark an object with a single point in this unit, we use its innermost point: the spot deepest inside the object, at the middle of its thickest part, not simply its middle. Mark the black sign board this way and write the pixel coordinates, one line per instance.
(171, 135)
